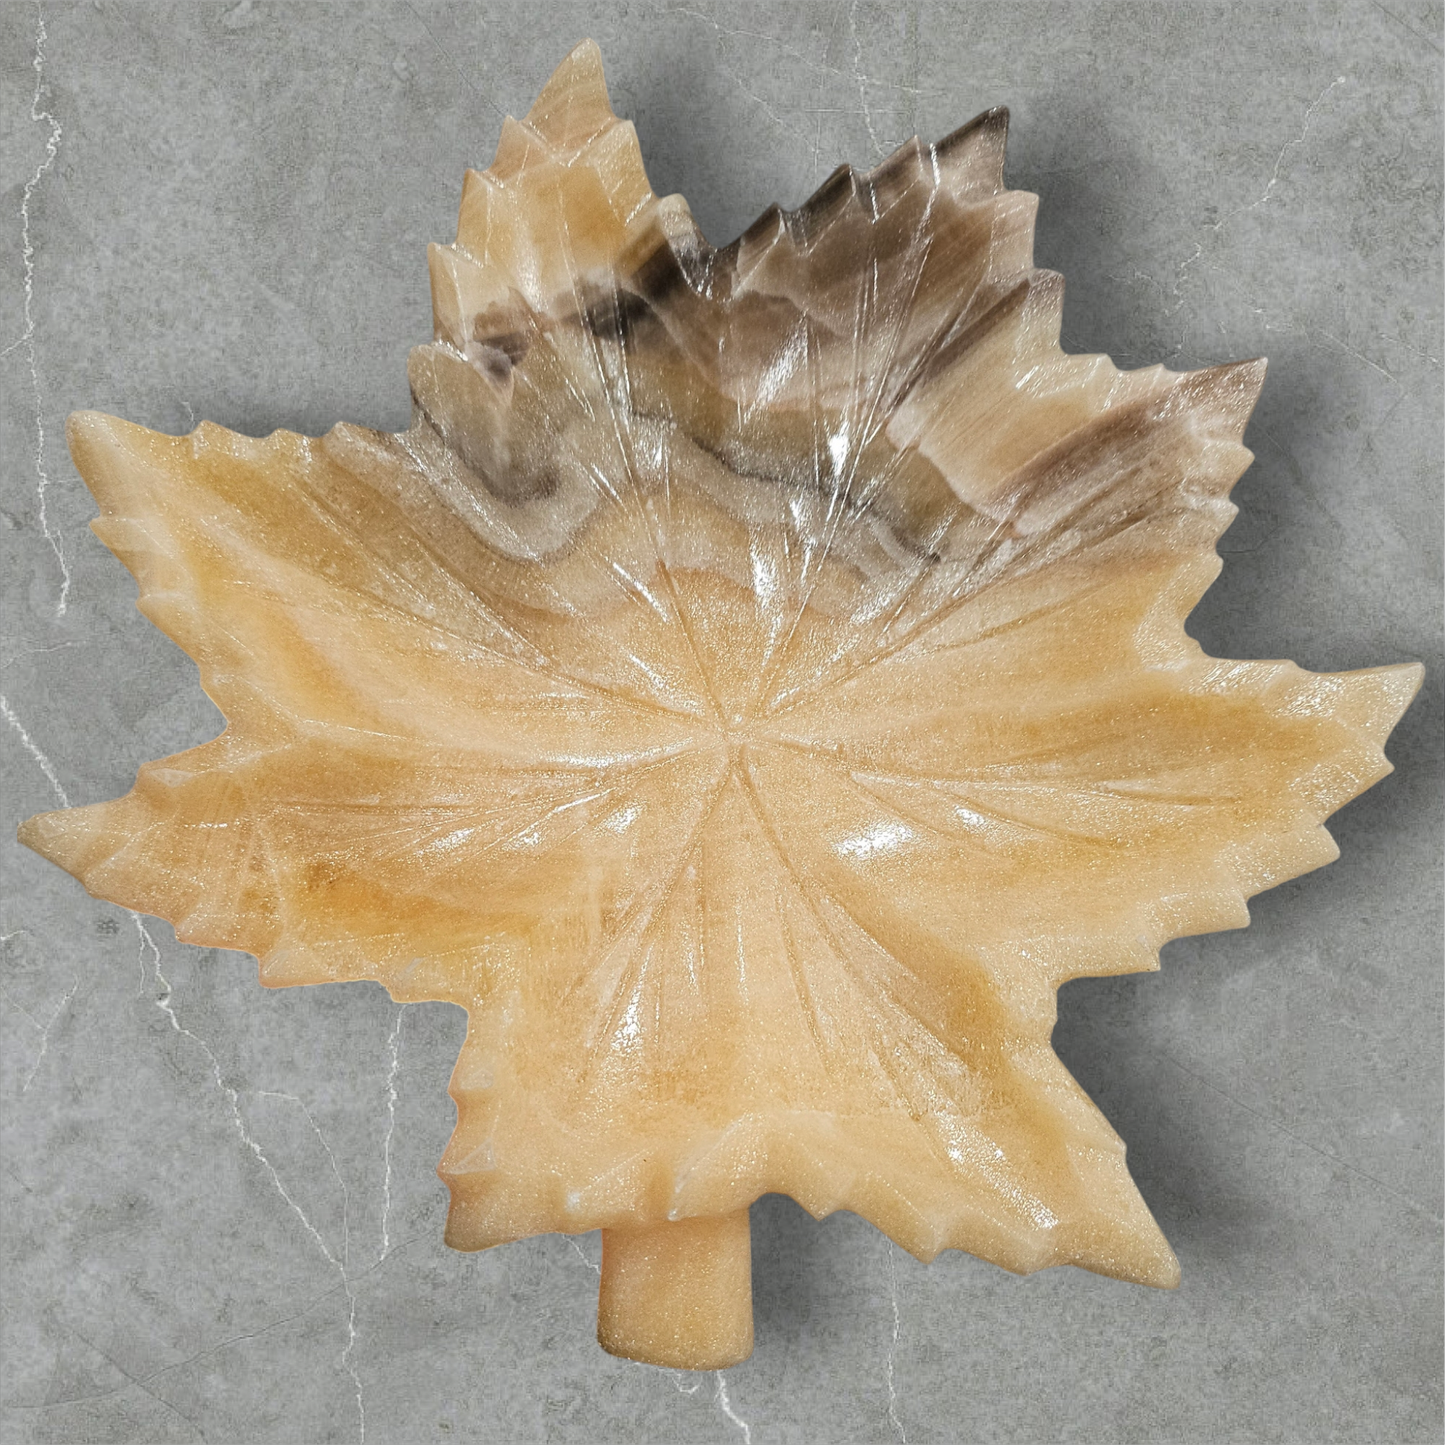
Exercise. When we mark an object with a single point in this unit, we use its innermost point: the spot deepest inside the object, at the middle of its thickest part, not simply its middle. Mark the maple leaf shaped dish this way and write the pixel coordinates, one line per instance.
(754, 683)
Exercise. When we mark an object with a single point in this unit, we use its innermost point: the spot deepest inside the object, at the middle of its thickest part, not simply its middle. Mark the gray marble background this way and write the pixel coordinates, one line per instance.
(221, 1221)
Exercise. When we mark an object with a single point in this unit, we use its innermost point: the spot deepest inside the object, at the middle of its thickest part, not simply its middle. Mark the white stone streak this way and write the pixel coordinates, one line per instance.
(341, 1265)
(45, 1028)
(394, 1047)
(725, 1405)
(30, 746)
(581, 1254)
(1273, 181)
(56, 787)
(163, 994)
(821, 68)
(1292, 144)
(42, 1028)
(774, 44)
(233, 1098)
(37, 651)
(893, 1418)
(861, 80)
(27, 336)
(345, 1194)
(1174, 303)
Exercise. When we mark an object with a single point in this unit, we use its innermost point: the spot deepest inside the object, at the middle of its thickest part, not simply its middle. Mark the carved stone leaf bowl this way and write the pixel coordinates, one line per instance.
(753, 684)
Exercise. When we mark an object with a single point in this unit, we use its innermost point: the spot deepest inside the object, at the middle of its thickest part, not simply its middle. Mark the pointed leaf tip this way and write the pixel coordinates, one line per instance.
(573, 105)
(108, 453)
(1383, 694)
(1226, 394)
(972, 157)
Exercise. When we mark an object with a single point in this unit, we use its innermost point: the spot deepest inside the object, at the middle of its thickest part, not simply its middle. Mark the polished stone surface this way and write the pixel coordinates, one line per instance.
(221, 1217)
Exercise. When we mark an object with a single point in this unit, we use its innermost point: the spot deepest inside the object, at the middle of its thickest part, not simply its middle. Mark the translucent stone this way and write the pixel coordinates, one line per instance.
(752, 685)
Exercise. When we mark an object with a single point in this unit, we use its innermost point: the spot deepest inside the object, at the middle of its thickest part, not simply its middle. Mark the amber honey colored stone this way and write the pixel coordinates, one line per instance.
(753, 684)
